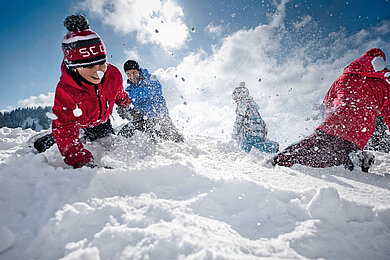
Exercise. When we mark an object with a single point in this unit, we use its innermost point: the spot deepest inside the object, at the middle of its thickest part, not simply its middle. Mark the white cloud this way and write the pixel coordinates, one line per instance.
(132, 54)
(304, 21)
(153, 21)
(213, 29)
(35, 101)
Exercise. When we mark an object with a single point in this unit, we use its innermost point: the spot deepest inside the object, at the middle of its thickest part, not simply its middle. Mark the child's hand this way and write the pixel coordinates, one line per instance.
(387, 75)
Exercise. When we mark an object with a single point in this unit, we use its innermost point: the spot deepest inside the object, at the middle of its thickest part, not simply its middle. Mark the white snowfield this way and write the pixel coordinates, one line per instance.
(204, 199)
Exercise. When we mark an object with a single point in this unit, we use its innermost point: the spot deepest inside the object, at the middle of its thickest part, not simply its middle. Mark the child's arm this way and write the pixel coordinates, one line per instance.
(240, 120)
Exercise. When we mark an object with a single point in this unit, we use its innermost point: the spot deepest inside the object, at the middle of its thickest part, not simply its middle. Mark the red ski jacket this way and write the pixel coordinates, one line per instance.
(356, 98)
(81, 105)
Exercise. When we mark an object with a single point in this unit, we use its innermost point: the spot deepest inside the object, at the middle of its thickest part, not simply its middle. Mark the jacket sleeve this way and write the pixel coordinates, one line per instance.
(240, 121)
(158, 87)
(122, 98)
(66, 131)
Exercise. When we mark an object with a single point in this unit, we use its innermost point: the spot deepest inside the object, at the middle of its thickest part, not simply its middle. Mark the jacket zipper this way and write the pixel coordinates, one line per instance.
(100, 104)
(107, 105)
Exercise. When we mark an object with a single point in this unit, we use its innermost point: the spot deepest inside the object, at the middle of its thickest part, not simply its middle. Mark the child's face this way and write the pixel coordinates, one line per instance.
(90, 73)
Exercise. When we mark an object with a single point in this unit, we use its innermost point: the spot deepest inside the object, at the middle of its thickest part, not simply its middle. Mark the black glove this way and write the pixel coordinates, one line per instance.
(130, 114)
(93, 165)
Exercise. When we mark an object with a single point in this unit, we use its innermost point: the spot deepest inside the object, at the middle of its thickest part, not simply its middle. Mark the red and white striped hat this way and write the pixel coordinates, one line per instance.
(82, 47)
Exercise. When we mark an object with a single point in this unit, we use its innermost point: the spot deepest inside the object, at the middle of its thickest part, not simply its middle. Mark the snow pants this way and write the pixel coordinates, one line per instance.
(161, 127)
(90, 134)
(317, 150)
(264, 145)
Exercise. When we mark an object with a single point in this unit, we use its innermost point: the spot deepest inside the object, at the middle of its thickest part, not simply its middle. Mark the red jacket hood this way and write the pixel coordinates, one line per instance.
(363, 65)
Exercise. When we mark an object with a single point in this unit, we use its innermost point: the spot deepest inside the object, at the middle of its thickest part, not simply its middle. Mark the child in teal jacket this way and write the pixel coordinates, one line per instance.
(249, 128)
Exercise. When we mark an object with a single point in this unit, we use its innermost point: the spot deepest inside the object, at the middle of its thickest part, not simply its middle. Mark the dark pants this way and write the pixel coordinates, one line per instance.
(90, 134)
(317, 150)
(161, 127)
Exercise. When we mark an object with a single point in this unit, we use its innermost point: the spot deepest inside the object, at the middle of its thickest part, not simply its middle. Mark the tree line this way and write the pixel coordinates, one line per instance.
(17, 117)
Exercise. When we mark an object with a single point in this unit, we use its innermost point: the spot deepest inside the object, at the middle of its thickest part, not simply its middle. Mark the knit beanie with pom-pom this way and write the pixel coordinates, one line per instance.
(82, 47)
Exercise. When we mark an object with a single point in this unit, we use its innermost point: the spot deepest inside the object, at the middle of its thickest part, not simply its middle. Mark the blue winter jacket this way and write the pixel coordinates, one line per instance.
(147, 96)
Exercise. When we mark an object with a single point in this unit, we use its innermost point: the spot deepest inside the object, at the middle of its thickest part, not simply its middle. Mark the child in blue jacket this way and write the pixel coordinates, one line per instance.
(250, 129)
(148, 111)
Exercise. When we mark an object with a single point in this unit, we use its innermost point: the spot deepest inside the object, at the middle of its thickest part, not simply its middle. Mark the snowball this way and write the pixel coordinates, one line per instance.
(153, 78)
(100, 74)
(51, 116)
(7, 238)
(378, 63)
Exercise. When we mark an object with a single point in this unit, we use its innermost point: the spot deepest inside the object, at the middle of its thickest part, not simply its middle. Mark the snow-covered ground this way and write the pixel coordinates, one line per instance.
(204, 199)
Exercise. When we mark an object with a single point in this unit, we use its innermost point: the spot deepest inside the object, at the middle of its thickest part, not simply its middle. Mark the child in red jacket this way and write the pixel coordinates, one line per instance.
(352, 104)
(85, 95)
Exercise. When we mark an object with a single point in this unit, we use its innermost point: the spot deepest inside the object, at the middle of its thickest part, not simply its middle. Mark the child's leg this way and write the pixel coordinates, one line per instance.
(43, 143)
(318, 150)
(267, 146)
(246, 145)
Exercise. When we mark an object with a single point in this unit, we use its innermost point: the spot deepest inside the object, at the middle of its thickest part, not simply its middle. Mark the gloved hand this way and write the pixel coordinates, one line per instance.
(122, 112)
(387, 75)
(93, 165)
(130, 114)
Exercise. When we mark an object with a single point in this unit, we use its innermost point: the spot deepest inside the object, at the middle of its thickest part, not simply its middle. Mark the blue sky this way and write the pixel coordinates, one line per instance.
(31, 33)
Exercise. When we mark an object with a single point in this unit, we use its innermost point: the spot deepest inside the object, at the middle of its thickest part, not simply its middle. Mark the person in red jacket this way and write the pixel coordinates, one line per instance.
(85, 95)
(352, 104)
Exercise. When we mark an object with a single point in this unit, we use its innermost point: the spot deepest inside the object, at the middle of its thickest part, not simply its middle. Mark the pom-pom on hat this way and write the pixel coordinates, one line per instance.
(82, 47)
(131, 65)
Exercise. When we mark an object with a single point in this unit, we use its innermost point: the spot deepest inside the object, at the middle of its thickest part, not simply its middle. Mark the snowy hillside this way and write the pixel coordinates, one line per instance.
(204, 199)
